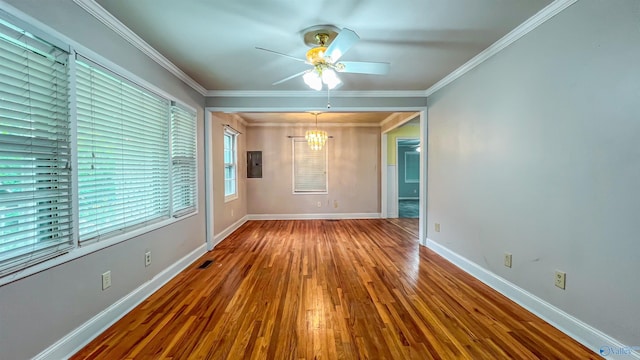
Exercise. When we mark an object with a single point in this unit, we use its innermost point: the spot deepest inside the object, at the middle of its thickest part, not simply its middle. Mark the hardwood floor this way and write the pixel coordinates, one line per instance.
(408, 224)
(322, 289)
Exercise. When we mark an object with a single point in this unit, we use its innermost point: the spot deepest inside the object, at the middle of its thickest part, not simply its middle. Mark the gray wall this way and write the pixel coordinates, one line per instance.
(38, 310)
(536, 152)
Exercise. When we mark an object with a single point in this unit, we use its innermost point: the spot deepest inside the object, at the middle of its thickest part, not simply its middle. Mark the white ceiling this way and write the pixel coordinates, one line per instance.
(213, 41)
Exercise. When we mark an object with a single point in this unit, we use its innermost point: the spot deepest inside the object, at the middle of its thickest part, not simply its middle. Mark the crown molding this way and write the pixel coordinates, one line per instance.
(530, 24)
(119, 28)
(312, 93)
(308, 124)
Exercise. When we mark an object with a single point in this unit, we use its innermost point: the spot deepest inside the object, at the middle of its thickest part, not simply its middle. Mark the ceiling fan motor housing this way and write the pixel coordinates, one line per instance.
(315, 56)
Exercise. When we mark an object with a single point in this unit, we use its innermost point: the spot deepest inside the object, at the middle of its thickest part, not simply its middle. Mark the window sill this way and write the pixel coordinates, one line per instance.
(229, 198)
(85, 250)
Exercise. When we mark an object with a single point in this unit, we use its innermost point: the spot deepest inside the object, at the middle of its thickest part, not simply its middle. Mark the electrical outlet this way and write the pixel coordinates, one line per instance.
(335, 204)
(106, 280)
(319, 203)
(147, 258)
(437, 227)
(231, 212)
(560, 279)
(507, 260)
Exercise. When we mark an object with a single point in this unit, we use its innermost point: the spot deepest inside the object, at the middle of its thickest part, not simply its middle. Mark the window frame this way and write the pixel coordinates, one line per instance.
(233, 165)
(304, 145)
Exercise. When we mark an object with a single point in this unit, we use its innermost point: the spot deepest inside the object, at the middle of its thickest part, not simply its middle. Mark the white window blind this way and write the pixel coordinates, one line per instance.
(309, 168)
(230, 168)
(35, 178)
(123, 154)
(183, 160)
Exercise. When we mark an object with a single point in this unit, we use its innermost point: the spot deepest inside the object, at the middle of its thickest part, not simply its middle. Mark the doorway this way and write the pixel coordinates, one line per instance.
(411, 132)
(408, 176)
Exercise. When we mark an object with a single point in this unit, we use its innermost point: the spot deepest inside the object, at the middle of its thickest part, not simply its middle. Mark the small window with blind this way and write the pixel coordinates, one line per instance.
(309, 168)
(230, 164)
(35, 151)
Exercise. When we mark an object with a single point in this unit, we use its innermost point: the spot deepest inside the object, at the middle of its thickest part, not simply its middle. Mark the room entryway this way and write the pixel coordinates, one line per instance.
(408, 177)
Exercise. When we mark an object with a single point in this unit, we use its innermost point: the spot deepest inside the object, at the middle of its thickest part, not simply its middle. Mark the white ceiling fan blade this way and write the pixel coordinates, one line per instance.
(290, 77)
(360, 67)
(281, 54)
(341, 44)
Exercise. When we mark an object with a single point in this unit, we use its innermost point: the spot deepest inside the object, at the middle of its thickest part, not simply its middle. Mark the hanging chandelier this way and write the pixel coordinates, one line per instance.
(316, 138)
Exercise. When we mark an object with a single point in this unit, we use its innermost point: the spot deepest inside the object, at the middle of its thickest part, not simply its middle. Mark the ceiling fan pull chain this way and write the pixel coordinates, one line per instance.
(328, 98)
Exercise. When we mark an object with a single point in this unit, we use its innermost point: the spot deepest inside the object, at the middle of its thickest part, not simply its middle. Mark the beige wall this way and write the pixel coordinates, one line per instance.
(354, 172)
(226, 214)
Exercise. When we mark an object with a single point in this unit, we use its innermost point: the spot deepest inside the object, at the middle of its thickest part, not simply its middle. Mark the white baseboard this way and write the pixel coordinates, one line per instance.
(81, 336)
(226, 232)
(313, 216)
(585, 334)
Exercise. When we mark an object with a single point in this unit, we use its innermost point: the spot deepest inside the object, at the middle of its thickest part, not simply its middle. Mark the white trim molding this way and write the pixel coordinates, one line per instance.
(81, 336)
(315, 94)
(594, 339)
(97, 11)
(400, 118)
(530, 24)
(343, 216)
(311, 124)
(226, 232)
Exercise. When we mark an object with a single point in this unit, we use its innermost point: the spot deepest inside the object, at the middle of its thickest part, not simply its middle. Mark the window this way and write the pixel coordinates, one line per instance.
(35, 152)
(114, 160)
(183, 161)
(411, 167)
(309, 168)
(123, 168)
(230, 164)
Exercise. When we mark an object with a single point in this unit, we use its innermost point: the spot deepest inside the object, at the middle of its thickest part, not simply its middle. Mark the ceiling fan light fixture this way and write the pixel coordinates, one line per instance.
(319, 75)
(313, 80)
(330, 78)
(328, 45)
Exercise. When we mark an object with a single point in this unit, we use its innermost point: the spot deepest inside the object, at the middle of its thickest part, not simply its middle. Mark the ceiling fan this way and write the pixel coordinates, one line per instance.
(329, 44)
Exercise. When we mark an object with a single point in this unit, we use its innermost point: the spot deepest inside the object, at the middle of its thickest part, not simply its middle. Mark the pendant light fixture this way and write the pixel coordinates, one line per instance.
(316, 138)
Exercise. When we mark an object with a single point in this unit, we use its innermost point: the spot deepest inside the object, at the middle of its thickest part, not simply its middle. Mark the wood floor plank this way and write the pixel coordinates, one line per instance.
(326, 289)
